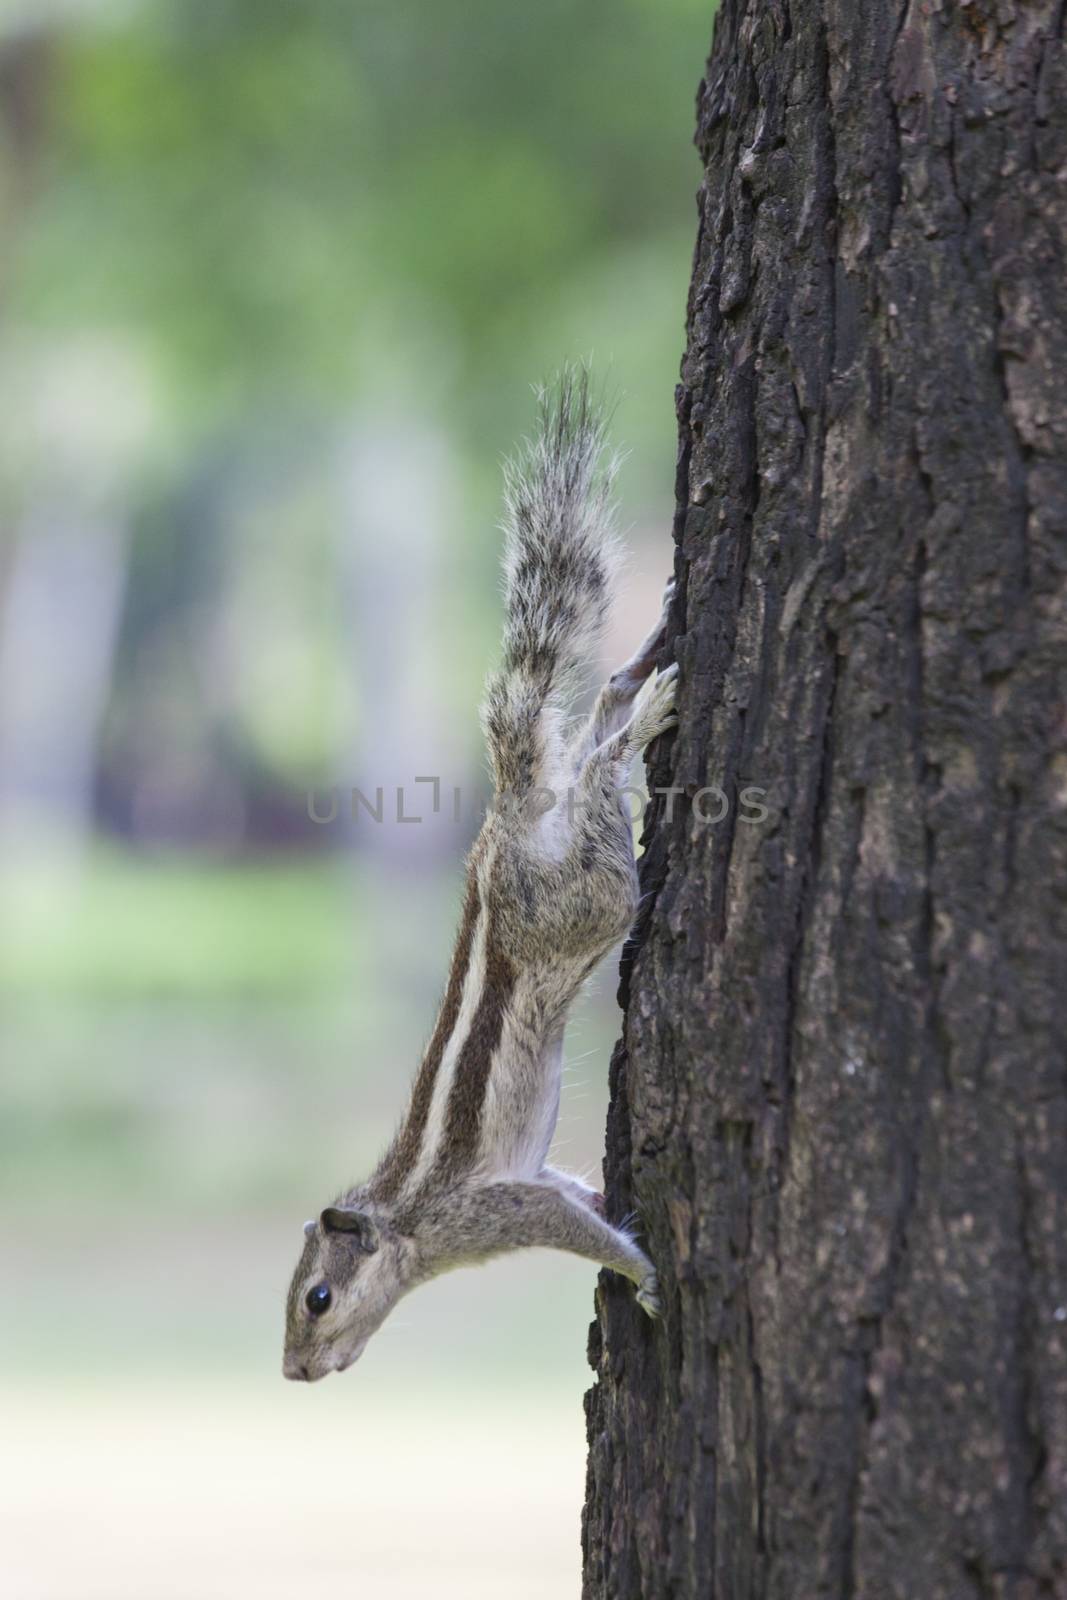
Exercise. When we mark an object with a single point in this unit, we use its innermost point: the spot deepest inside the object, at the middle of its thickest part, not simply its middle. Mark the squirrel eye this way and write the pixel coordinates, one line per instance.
(318, 1299)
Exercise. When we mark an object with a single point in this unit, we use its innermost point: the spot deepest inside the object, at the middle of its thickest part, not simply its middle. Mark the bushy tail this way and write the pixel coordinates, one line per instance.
(559, 557)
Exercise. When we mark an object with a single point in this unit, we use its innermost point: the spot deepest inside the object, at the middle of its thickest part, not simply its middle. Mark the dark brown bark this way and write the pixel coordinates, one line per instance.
(840, 1103)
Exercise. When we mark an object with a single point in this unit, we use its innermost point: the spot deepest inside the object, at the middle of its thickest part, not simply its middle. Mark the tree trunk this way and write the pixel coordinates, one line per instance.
(840, 1103)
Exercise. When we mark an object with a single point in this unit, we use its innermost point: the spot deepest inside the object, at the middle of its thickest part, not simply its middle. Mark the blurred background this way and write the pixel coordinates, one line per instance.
(275, 279)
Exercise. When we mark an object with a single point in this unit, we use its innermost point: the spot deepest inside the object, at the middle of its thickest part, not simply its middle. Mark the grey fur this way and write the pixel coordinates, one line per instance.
(548, 895)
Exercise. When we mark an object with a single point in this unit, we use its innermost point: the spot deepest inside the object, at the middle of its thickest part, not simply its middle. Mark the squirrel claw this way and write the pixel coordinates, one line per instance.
(648, 1296)
(656, 713)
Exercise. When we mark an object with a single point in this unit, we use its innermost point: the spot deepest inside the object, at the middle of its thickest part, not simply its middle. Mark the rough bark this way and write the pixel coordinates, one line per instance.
(840, 1102)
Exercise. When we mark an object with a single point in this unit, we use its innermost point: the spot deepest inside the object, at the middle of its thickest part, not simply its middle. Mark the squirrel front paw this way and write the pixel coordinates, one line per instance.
(648, 1297)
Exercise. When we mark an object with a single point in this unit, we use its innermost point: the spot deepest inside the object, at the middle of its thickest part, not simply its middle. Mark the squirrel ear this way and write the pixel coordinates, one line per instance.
(338, 1219)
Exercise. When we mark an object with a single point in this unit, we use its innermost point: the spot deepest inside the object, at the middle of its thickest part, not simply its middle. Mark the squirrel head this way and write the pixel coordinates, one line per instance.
(353, 1269)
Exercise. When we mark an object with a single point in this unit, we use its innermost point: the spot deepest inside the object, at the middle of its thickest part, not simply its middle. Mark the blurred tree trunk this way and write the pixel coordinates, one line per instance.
(25, 60)
(67, 582)
(840, 1103)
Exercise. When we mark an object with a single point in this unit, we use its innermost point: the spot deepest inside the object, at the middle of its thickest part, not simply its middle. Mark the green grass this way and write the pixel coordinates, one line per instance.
(200, 1036)
(129, 927)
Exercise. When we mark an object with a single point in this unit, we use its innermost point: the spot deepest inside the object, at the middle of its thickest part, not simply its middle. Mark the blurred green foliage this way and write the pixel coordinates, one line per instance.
(286, 196)
(178, 928)
(250, 226)
(243, 241)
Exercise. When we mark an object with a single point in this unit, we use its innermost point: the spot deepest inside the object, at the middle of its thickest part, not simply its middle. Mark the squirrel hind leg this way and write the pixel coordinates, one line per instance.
(656, 712)
(614, 703)
(608, 766)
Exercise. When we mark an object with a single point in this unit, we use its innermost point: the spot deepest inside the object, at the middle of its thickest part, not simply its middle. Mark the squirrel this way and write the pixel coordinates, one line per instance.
(549, 890)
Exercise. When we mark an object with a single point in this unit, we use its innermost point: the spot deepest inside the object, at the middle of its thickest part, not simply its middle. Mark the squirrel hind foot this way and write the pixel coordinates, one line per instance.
(656, 713)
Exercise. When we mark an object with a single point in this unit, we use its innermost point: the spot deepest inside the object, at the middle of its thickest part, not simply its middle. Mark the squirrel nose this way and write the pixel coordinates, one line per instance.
(292, 1368)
